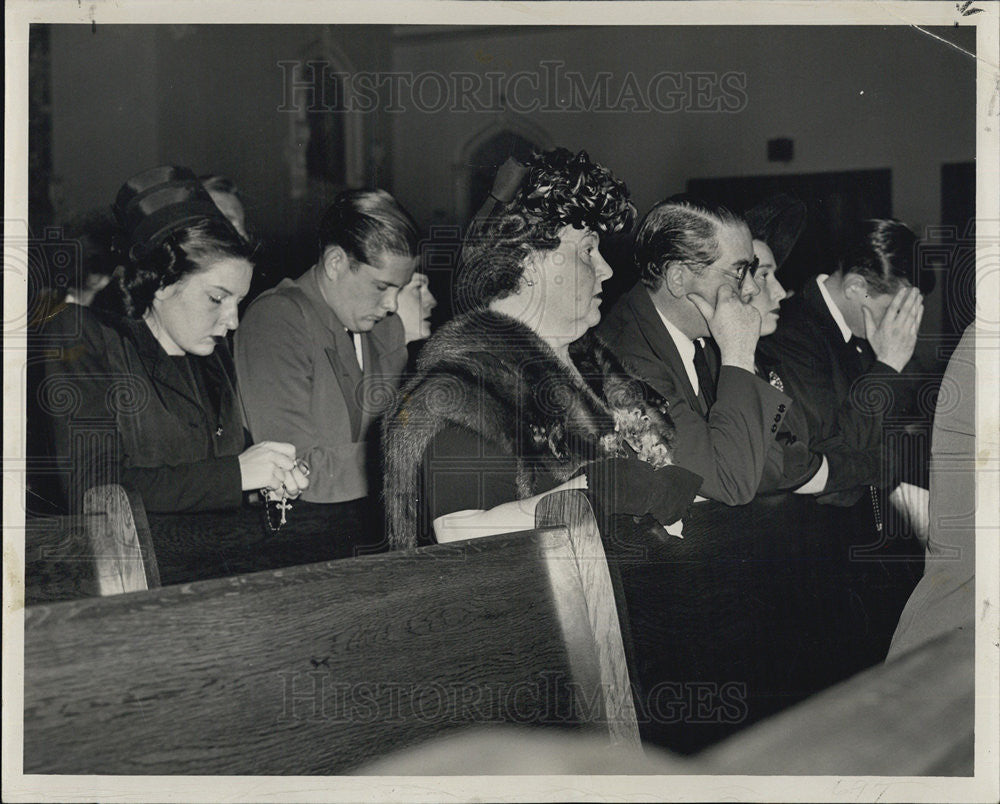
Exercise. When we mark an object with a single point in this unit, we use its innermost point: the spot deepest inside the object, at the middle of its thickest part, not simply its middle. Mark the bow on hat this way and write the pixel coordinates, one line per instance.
(506, 183)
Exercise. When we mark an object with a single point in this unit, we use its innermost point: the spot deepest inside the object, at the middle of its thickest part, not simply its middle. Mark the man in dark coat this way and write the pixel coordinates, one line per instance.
(841, 345)
(696, 264)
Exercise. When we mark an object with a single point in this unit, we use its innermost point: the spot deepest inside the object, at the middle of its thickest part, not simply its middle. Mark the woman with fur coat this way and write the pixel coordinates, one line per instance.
(517, 398)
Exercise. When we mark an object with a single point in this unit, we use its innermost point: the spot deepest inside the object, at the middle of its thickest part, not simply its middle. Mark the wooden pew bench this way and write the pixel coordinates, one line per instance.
(317, 669)
(755, 609)
(106, 550)
(93, 554)
(912, 716)
(216, 544)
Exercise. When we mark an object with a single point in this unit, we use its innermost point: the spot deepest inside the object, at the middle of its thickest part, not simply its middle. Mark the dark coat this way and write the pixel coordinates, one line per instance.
(491, 375)
(845, 394)
(789, 463)
(726, 445)
(121, 410)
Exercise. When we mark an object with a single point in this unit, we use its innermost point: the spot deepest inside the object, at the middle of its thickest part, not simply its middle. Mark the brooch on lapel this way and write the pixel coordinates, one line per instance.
(775, 380)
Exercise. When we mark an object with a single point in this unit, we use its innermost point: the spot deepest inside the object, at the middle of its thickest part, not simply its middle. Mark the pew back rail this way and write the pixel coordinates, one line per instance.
(106, 549)
(319, 668)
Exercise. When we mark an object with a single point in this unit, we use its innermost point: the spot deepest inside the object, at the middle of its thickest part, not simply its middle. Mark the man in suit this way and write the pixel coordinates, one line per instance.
(318, 358)
(840, 347)
(696, 266)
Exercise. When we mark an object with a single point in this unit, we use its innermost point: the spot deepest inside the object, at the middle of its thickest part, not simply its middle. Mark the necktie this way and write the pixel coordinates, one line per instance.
(706, 382)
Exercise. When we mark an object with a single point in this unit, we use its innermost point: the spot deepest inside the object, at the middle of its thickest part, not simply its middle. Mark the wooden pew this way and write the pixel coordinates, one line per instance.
(754, 610)
(772, 602)
(913, 716)
(106, 550)
(95, 553)
(216, 544)
(320, 668)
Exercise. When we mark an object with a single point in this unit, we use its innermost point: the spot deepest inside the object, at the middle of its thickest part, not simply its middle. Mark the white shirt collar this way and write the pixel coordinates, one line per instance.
(358, 351)
(685, 348)
(838, 316)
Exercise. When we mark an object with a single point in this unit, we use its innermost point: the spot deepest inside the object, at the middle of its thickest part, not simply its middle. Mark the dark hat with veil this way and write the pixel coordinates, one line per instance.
(779, 222)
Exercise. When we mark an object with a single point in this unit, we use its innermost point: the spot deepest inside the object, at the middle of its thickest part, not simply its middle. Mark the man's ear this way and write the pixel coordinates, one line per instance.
(335, 261)
(855, 287)
(675, 280)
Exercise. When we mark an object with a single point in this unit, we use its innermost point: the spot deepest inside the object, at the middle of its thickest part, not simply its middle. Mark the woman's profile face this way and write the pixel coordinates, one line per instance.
(771, 291)
(188, 316)
(568, 283)
(414, 307)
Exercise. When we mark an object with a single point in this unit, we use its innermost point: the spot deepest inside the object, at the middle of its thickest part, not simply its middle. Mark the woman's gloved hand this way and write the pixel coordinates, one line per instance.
(632, 486)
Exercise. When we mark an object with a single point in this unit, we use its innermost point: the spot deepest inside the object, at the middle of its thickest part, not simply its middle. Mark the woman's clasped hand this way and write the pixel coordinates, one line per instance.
(271, 465)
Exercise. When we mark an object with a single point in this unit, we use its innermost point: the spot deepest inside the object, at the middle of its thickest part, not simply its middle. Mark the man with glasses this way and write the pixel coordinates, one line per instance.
(696, 265)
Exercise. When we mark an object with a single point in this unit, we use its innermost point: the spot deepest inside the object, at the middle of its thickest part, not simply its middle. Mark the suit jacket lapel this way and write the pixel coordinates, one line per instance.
(344, 362)
(342, 357)
(844, 352)
(166, 378)
(663, 346)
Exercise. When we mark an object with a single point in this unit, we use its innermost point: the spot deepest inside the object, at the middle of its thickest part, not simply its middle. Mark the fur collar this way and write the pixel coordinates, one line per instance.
(490, 374)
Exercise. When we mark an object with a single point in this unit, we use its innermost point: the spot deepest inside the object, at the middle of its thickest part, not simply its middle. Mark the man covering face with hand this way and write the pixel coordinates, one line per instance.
(696, 266)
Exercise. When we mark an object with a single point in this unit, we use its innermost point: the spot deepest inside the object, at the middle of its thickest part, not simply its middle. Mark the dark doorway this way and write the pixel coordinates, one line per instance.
(325, 157)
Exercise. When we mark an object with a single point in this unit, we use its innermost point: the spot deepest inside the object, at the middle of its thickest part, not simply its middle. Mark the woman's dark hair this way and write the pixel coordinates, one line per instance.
(367, 223)
(168, 227)
(186, 250)
(679, 229)
(559, 189)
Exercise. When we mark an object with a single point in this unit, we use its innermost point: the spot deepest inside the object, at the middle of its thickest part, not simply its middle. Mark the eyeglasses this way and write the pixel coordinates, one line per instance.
(745, 270)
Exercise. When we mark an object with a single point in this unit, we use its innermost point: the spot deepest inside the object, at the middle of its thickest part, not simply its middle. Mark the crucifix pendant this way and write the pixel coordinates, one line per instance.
(284, 506)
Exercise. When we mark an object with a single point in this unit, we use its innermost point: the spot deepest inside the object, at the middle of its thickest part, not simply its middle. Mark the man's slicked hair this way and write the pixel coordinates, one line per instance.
(367, 223)
(883, 251)
(679, 229)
